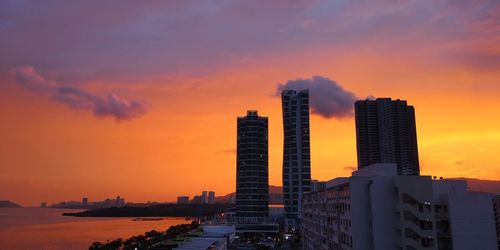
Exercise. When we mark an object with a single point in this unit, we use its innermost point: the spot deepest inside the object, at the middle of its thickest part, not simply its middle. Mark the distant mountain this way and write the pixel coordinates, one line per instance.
(164, 210)
(229, 197)
(226, 198)
(8, 204)
(488, 186)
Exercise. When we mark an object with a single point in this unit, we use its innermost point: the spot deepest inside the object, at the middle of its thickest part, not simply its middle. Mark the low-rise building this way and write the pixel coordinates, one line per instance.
(197, 199)
(119, 202)
(183, 200)
(216, 237)
(378, 209)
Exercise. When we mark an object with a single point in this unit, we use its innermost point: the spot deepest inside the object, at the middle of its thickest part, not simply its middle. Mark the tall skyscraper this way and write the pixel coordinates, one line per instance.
(386, 133)
(296, 155)
(211, 197)
(204, 197)
(252, 167)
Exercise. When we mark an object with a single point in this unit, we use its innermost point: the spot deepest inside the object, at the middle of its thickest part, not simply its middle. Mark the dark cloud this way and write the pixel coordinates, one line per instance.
(326, 97)
(136, 38)
(110, 105)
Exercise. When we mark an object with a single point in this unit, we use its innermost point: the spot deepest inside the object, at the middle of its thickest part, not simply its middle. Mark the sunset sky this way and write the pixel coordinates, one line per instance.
(140, 98)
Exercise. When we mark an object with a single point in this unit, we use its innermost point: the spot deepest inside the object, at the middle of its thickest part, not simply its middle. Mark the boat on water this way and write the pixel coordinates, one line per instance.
(147, 219)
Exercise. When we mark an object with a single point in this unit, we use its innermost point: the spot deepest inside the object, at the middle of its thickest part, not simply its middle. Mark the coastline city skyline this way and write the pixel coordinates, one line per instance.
(175, 196)
(224, 125)
(173, 84)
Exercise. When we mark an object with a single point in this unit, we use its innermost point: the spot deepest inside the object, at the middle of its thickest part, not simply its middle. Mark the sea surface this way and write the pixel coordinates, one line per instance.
(46, 228)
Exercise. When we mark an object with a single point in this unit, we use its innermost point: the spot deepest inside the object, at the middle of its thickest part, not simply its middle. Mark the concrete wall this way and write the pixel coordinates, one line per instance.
(361, 214)
(384, 220)
(472, 221)
(373, 201)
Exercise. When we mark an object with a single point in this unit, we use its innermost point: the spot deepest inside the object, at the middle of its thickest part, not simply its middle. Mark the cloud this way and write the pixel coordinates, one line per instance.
(110, 105)
(326, 97)
(136, 38)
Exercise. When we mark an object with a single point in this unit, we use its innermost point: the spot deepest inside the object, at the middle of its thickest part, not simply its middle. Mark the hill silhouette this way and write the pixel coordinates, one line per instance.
(488, 186)
(477, 185)
(8, 204)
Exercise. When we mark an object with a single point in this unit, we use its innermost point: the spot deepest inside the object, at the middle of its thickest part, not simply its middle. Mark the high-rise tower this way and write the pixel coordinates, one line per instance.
(211, 197)
(252, 168)
(386, 133)
(296, 151)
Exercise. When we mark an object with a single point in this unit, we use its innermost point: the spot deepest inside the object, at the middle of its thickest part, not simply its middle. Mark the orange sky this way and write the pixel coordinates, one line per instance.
(185, 142)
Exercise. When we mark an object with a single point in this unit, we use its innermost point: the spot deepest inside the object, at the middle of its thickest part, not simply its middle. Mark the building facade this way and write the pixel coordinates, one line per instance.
(386, 133)
(317, 185)
(296, 151)
(204, 197)
(183, 200)
(211, 197)
(197, 199)
(378, 209)
(252, 186)
(496, 210)
(119, 202)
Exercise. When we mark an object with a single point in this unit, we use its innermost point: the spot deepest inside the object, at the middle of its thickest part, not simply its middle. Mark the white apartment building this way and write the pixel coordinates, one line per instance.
(378, 209)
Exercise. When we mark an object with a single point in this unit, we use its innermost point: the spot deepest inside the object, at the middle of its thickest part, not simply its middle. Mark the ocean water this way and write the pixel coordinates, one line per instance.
(45, 228)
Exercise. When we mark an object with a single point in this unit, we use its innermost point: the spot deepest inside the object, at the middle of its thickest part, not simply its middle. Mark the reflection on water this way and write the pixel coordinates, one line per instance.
(45, 228)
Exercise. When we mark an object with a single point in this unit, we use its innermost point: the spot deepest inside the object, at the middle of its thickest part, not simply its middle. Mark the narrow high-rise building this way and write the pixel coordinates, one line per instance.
(211, 197)
(296, 151)
(204, 197)
(386, 133)
(252, 195)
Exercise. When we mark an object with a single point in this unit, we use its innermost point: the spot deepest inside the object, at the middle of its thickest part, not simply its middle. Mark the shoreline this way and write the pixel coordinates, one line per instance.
(166, 210)
(37, 228)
